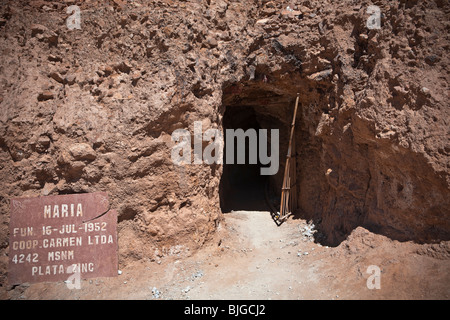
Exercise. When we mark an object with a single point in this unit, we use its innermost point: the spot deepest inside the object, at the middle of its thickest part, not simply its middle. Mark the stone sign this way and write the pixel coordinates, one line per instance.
(53, 237)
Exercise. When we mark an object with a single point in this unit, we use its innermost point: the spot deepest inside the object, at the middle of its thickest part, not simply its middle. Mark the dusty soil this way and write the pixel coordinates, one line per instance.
(255, 259)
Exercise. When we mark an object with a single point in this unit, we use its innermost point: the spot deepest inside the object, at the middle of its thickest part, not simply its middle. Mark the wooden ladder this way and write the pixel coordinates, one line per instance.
(289, 188)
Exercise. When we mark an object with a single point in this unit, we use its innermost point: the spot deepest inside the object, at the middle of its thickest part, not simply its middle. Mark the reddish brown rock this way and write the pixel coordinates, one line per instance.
(372, 126)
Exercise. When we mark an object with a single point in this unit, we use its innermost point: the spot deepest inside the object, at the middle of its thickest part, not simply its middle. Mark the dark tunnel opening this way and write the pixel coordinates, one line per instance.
(242, 185)
(268, 115)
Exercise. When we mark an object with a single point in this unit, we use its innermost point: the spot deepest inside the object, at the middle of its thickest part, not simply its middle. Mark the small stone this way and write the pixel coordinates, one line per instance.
(431, 59)
(70, 79)
(46, 95)
(56, 76)
(400, 89)
(82, 151)
(52, 39)
(108, 70)
(119, 272)
(37, 29)
(54, 58)
(44, 141)
(321, 75)
(156, 293)
(48, 189)
(425, 90)
(135, 77)
(198, 274)
(124, 67)
(363, 36)
(371, 100)
(212, 42)
(409, 52)
(289, 13)
(262, 21)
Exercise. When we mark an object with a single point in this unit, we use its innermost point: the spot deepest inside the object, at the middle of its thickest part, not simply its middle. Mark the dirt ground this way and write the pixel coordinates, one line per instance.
(253, 258)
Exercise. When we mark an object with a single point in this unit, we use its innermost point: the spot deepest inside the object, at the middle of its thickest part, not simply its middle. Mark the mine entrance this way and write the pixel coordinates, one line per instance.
(255, 105)
(242, 185)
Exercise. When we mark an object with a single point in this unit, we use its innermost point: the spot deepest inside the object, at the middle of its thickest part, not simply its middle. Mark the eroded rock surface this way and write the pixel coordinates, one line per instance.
(93, 109)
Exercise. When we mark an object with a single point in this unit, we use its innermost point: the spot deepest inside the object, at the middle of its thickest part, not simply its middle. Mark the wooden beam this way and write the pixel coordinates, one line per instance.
(289, 188)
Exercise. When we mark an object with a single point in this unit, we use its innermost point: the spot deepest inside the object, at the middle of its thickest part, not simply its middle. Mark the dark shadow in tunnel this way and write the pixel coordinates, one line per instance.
(241, 186)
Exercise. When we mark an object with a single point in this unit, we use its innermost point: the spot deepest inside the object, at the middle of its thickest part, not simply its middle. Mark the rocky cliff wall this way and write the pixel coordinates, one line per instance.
(93, 109)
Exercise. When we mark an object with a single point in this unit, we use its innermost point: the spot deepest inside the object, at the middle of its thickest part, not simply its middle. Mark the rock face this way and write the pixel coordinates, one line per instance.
(93, 109)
